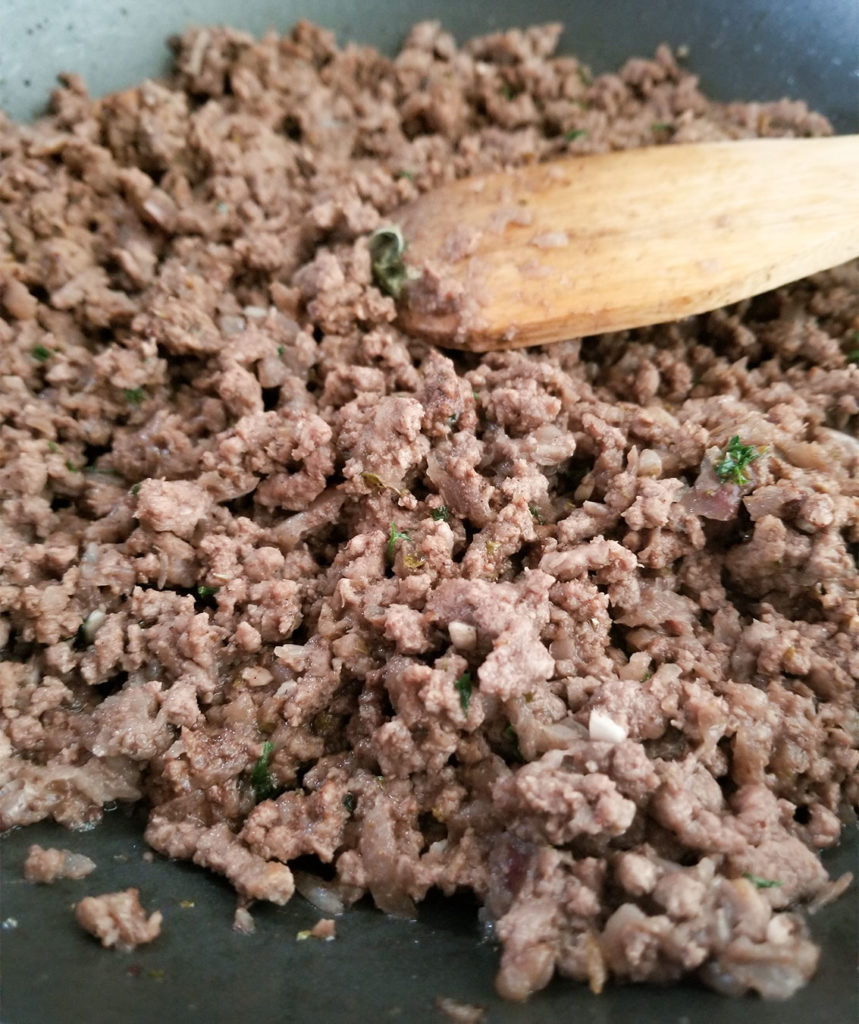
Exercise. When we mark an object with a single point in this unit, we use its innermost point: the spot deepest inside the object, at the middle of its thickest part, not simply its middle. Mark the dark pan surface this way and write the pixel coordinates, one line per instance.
(378, 969)
(742, 49)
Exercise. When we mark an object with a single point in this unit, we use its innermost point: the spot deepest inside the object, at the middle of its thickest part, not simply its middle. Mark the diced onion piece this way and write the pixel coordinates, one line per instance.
(605, 729)
(462, 635)
(320, 893)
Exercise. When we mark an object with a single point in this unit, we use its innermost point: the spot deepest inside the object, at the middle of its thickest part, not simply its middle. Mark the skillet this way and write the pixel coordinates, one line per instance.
(378, 969)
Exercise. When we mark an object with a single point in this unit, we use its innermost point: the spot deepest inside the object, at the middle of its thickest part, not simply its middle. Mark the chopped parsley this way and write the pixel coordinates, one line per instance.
(574, 133)
(71, 467)
(853, 356)
(512, 738)
(205, 590)
(40, 353)
(403, 173)
(350, 802)
(261, 777)
(135, 490)
(281, 349)
(539, 518)
(134, 396)
(463, 687)
(441, 515)
(734, 464)
(662, 126)
(387, 247)
(762, 883)
(394, 536)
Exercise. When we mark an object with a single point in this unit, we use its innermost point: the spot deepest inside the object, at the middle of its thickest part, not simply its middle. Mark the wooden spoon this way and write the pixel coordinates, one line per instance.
(611, 241)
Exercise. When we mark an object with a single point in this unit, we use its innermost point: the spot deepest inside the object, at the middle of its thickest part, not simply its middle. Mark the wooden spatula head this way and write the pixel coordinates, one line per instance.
(599, 243)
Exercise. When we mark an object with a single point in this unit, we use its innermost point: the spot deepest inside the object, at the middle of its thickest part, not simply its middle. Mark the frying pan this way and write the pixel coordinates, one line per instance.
(378, 969)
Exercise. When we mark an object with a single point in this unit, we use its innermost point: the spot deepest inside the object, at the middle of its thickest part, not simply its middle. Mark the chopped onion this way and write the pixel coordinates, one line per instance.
(605, 729)
(323, 895)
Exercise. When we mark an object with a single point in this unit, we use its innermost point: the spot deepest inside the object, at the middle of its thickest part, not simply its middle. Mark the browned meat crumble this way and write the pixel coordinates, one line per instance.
(308, 586)
(117, 919)
(47, 865)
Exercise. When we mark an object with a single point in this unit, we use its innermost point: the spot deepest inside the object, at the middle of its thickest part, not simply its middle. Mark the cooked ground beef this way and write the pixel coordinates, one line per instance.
(309, 586)
(47, 866)
(117, 919)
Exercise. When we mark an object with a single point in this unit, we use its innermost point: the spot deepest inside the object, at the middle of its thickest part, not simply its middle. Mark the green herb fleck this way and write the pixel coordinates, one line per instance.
(135, 490)
(507, 91)
(574, 133)
(40, 353)
(261, 778)
(350, 802)
(387, 247)
(133, 395)
(513, 739)
(463, 687)
(393, 537)
(71, 467)
(281, 349)
(762, 883)
(205, 590)
(453, 419)
(853, 356)
(585, 75)
(408, 175)
(539, 518)
(52, 447)
(734, 464)
(441, 515)
(662, 126)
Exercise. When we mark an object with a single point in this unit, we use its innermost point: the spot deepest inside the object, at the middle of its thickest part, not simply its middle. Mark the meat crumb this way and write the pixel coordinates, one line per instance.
(118, 920)
(325, 928)
(47, 865)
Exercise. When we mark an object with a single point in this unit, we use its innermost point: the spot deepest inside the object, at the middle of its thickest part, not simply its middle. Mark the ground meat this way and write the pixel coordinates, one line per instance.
(325, 929)
(118, 920)
(47, 866)
(318, 592)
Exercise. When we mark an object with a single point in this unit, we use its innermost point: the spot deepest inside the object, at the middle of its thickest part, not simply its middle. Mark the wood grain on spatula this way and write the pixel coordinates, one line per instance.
(589, 244)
